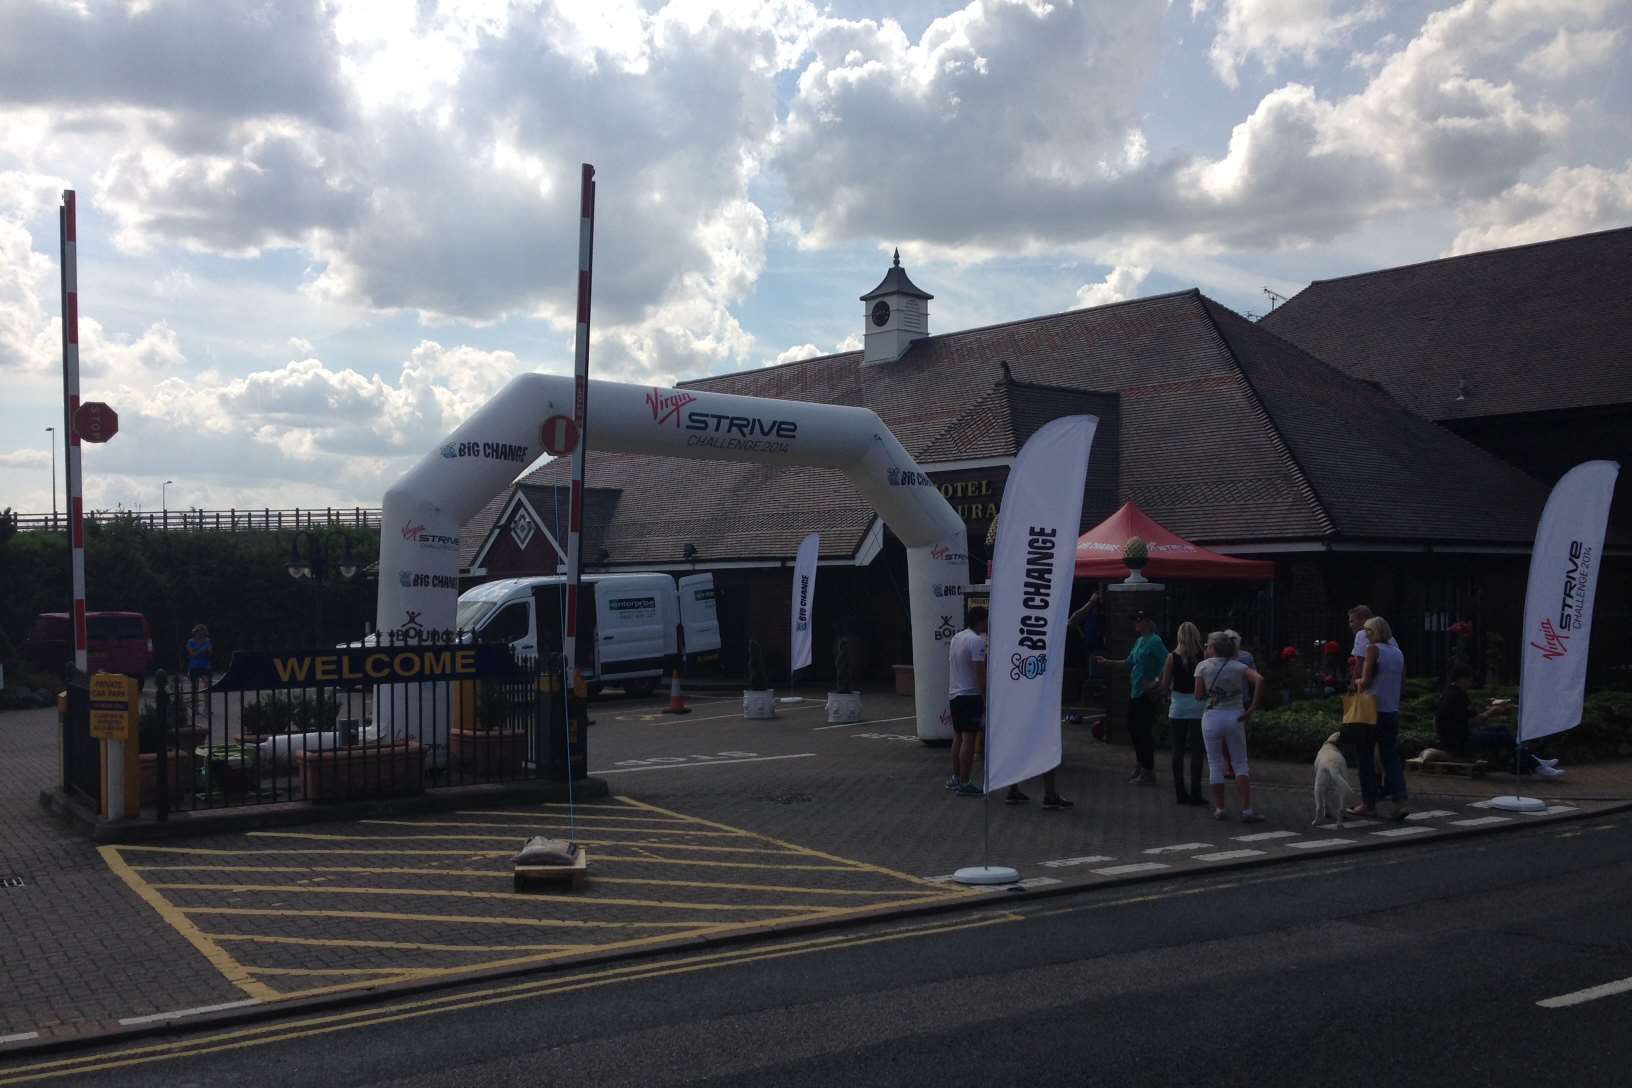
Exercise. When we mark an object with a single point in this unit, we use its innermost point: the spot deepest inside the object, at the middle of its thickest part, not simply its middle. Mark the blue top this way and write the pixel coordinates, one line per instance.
(198, 653)
(1145, 661)
(1387, 678)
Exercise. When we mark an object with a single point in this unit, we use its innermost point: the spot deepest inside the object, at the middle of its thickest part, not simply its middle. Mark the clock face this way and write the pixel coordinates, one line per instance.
(881, 312)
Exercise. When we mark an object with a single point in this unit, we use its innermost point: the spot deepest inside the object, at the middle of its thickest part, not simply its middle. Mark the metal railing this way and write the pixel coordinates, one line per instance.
(357, 723)
(216, 521)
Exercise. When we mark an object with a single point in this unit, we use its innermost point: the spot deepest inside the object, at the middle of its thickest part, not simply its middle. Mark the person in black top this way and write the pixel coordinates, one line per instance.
(1454, 720)
(1184, 712)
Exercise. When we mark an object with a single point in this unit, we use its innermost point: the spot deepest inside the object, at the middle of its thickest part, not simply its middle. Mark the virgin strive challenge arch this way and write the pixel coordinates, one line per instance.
(425, 510)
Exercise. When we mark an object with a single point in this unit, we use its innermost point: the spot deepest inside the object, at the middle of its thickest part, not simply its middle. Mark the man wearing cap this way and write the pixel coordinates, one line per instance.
(1144, 664)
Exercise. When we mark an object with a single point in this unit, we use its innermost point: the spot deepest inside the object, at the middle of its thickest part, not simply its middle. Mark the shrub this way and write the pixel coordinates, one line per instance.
(305, 713)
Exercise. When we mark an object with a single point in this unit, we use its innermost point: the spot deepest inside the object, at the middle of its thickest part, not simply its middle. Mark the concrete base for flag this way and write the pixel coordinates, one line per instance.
(1512, 803)
(986, 874)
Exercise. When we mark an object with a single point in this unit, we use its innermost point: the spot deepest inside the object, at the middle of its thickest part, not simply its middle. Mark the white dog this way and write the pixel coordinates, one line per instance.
(1331, 781)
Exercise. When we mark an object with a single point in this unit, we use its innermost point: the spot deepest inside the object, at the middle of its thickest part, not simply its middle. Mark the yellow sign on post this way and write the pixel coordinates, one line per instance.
(113, 707)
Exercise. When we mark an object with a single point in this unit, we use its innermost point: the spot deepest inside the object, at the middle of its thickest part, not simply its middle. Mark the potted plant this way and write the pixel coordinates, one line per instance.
(844, 703)
(758, 700)
(488, 743)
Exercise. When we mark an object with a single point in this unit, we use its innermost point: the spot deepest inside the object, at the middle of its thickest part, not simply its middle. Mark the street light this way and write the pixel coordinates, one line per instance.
(164, 500)
(52, 431)
(313, 565)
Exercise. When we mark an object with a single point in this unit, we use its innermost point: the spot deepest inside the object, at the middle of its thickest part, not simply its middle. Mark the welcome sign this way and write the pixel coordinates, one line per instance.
(366, 665)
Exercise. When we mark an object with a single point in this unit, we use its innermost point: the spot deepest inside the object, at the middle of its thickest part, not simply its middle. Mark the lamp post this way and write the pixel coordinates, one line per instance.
(314, 565)
(164, 502)
(52, 431)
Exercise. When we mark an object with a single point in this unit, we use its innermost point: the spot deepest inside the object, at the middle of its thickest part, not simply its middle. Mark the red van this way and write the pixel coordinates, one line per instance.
(114, 642)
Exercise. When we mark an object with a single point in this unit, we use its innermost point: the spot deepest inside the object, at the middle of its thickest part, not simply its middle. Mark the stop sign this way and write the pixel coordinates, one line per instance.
(560, 435)
(95, 422)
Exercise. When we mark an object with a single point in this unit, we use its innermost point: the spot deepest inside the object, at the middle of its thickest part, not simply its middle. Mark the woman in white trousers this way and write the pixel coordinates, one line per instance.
(1222, 682)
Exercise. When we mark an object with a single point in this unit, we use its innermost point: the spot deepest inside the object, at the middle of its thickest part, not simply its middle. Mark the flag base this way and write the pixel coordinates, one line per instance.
(986, 874)
(1511, 803)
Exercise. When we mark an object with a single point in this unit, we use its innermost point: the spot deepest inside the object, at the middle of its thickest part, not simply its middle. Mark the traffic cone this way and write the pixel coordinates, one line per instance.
(677, 702)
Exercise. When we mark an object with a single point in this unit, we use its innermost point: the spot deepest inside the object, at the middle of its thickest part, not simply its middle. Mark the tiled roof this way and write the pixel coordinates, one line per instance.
(1531, 328)
(1226, 434)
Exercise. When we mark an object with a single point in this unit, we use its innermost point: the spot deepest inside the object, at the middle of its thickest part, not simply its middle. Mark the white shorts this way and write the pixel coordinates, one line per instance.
(1221, 728)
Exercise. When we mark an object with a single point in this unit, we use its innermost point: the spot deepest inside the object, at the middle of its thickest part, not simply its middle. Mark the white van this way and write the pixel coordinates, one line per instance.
(631, 626)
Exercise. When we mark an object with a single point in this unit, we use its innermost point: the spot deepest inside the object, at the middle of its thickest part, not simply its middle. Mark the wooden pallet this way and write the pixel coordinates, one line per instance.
(574, 875)
(1476, 769)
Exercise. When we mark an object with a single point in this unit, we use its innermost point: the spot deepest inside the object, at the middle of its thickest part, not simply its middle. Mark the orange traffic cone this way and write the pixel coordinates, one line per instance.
(677, 702)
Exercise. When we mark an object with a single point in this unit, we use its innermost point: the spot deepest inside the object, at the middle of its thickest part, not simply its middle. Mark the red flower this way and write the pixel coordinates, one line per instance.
(1333, 648)
(1460, 629)
(1289, 653)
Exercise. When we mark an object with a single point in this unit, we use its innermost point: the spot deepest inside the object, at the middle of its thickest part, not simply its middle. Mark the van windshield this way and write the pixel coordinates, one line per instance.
(472, 614)
(112, 628)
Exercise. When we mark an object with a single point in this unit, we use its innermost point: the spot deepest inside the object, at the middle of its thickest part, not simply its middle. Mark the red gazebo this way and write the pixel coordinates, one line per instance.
(1099, 553)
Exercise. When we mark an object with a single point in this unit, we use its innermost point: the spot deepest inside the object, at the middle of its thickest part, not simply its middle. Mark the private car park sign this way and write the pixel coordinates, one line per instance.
(94, 421)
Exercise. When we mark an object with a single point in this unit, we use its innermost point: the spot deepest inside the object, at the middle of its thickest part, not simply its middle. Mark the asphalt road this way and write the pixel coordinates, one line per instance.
(1422, 965)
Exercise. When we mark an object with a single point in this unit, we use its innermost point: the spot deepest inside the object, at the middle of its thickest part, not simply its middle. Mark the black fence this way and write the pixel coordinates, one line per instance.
(196, 520)
(358, 723)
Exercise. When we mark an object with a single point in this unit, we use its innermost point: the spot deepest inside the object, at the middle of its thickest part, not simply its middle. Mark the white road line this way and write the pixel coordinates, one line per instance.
(1064, 863)
(153, 1018)
(1591, 993)
(1348, 824)
(1396, 832)
(1039, 881)
(700, 763)
(1229, 855)
(853, 725)
(1180, 848)
(1140, 867)
(1265, 836)
(1481, 821)
(20, 1037)
(1431, 814)
(1553, 810)
(659, 716)
(1313, 843)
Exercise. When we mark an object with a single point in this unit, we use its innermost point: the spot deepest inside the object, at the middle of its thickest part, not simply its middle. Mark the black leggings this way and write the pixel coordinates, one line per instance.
(1187, 737)
(1141, 719)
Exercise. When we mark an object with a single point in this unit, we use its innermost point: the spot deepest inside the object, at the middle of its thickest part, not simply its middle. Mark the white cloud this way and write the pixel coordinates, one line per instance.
(797, 352)
(1270, 31)
(1122, 282)
(25, 458)
(1570, 200)
(1571, 52)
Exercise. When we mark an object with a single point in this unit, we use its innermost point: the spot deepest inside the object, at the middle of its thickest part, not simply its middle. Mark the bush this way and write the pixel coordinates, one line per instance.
(1297, 730)
(291, 714)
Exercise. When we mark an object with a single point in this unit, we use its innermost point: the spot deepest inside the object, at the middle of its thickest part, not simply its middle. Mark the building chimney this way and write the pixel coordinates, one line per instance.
(894, 314)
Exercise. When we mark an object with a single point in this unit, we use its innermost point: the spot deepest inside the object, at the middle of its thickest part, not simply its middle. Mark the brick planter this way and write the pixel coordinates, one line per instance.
(362, 771)
(491, 754)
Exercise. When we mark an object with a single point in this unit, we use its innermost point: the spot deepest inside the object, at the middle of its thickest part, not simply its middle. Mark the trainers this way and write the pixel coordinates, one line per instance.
(1220, 814)
(1251, 817)
(952, 783)
(1057, 802)
(1015, 797)
(1138, 773)
(1400, 811)
(969, 789)
(1547, 770)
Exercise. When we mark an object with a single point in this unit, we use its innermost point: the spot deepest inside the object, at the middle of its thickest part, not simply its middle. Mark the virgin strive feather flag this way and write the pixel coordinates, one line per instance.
(804, 597)
(1032, 567)
(1558, 603)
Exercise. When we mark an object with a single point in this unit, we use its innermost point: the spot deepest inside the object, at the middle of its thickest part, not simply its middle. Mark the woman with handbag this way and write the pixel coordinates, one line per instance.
(1221, 683)
(1382, 676)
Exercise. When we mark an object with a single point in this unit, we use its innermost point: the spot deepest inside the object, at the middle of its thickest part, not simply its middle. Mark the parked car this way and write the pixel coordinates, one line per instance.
(114, 642)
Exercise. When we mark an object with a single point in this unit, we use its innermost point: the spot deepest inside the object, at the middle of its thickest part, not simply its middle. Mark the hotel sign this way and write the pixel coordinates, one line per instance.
(974, 493)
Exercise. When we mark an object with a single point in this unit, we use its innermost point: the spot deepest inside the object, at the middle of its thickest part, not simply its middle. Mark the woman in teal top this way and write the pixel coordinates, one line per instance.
(1144, 664)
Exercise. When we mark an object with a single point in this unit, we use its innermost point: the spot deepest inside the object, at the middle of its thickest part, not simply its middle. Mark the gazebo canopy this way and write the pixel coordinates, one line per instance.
(1099, 552)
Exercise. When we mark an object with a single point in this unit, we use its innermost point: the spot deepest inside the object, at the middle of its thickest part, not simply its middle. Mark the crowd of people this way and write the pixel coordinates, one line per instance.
(1213, 688)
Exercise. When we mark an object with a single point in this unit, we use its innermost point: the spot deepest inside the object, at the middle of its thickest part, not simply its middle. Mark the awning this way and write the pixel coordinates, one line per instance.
(1099, 553)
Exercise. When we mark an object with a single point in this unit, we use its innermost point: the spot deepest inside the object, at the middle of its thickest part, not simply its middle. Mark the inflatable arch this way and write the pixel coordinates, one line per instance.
(424, 511)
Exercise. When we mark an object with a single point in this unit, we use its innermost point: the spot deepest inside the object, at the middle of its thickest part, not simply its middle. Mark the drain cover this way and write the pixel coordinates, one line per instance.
(11, 882)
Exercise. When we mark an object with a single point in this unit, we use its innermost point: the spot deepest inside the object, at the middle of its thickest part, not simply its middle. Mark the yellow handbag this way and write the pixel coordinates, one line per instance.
(1360, 709)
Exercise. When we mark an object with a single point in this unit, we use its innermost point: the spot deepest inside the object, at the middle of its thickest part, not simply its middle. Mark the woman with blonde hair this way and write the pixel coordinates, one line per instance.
(1221, 684)
(1184, 711)
(1382, 676)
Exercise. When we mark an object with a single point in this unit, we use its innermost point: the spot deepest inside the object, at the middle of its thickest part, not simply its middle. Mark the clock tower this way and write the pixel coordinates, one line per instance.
(896, 313)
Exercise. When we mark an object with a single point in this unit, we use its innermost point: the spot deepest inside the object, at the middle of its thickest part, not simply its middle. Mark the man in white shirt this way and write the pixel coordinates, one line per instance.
(1358, 615)
(966, 685)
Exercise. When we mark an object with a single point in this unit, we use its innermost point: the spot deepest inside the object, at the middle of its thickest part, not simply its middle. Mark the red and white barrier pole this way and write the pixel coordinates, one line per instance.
(580, 405)
(70, 397)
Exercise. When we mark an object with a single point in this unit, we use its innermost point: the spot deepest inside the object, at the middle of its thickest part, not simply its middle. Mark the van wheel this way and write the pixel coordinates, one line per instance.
(640, 688)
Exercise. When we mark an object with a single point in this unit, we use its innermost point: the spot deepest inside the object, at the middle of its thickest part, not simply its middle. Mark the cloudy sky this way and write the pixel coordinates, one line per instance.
(315, 235)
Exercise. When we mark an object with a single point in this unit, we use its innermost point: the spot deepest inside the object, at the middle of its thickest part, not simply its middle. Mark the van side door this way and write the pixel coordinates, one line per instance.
(630, 628)
(700, 618)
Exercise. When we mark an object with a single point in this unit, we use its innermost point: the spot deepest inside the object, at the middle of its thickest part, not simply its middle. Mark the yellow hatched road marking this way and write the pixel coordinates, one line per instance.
(463, 919)
(474, 854)
(214, 953)
(396, 972)
(583, 813)
(560, 827)
(443, 893)
(261, 1035)
(407, 946)
(506, 874)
